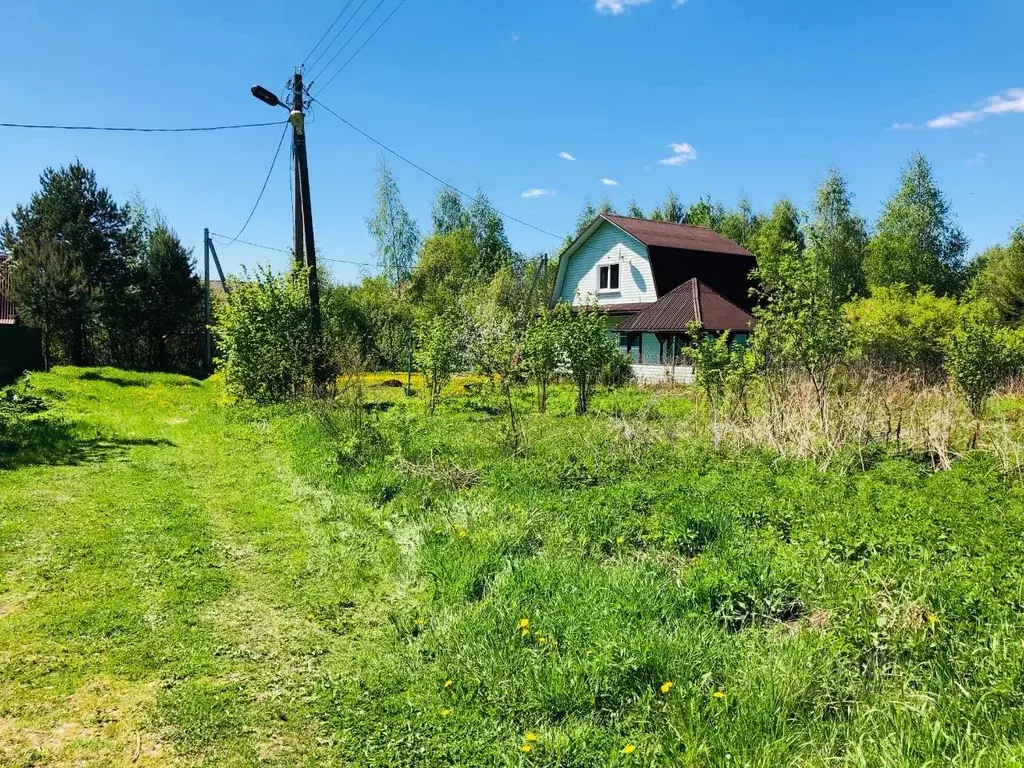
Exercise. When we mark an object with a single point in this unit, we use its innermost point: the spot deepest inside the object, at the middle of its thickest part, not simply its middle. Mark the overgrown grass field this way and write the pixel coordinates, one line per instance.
(189, 581)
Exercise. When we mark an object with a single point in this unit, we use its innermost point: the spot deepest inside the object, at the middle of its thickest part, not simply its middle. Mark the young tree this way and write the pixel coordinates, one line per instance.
(1000, 277)
(777, 242)
(586, 345)
(493, 248)
(635, 210)
(439, 350)
(171, 298)
(448, 213)
(917, 241)
(49, 287)
(541, 355)
(837, 238)
(392, 228)
(711, 358)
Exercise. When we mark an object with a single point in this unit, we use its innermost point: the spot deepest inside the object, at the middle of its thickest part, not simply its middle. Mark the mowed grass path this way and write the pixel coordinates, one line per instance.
(152, 566)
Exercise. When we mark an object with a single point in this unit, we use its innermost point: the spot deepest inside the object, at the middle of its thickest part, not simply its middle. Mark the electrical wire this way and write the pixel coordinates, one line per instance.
(282, 250)
(439, 180)
(203, 129)
(359, 50)
(337, 35)
(327, 31)
(266, 181)
(348, 42)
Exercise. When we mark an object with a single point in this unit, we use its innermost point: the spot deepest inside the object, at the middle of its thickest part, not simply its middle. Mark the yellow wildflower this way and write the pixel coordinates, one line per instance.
(462, 533)
(718, 694)
(629, 749)
(446, 713)
(667, 686)
(524, 623)
(524, 632)
(526, 747)
(447, 683)
(531, 736)
(542, 639)
(620, 539)
(933, 619)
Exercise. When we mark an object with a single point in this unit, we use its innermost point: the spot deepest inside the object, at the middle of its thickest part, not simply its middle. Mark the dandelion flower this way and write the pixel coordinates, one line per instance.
(620, 539)
(526, 747)
(524, 623)
(629, 749)
(462, 533)
(524, 632)
(446, 713)
(933, 619)
(531, 736)
(667, 686)
(447, 683)
(718, 694)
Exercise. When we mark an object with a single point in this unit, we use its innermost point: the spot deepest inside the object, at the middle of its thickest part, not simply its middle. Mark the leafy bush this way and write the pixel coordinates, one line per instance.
(896, 329)
(586, 346)
(264, 335)
(979, 357)
(439, 350)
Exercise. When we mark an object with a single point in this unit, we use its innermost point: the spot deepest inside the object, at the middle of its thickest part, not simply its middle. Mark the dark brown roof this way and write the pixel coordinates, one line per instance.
(665, 234)
(6, 307)
(691, 301)
(624, 309)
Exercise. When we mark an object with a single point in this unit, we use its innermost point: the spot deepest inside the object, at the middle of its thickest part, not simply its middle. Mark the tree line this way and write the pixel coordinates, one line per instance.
(106, 283)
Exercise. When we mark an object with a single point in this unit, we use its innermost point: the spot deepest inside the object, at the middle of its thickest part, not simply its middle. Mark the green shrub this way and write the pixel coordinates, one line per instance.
(979, 357)
(264, 336)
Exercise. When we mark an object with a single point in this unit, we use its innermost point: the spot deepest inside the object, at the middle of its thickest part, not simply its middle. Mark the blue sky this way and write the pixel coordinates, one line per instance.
(706, 97)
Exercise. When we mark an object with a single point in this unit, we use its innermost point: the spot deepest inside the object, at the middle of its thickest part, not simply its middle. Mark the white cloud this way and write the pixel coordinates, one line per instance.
(566, 156)
(977, 159)
(530, 194)
(1005, 103)
(681, 153)
(615, 7)
(609, 182)
(515, 38)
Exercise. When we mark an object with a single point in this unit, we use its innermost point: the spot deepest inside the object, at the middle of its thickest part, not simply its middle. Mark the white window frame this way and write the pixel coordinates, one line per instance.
(618, 275)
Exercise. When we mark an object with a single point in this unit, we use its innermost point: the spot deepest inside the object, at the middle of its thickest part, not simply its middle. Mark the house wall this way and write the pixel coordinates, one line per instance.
(609, 245)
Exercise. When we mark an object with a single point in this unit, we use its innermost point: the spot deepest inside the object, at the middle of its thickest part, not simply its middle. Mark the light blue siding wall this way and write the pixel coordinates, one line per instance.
(609, 245)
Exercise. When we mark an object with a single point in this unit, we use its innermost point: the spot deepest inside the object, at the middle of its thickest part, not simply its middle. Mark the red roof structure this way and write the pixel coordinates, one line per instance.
(7, 314)
(693, 301)
(666, 234)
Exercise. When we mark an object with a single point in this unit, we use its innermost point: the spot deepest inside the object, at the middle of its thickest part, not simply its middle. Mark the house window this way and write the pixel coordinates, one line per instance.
(609, 278)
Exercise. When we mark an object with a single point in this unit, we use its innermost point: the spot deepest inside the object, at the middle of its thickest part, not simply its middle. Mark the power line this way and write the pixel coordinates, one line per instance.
(349, 41)
(266, 181)
(327, 31)
(365, 43)
(334, 39)
(282, 250)
(439, 180)
(203, 129)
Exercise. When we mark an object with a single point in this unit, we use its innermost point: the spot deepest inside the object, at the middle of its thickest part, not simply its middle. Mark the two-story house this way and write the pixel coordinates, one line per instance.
(654, 278)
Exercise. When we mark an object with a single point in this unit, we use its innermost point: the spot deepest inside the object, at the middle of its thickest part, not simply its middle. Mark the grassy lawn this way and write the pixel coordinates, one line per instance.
(187, 581)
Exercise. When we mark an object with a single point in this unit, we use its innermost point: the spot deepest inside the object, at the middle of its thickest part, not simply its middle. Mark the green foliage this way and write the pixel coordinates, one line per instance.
(1000, 277)
(712, 361)
(739, 225)
(48, 285)
(440, 349)
(837, 238)
(392, 228)
(541, 354)
(448, 269)
(980, 355)
(917, 242)
(73, 209)
(670, 210)
(447, 213)
(493, 250)
(264, 336)
(899, 330)
(778, 237)
(171, 302)
(585, 345)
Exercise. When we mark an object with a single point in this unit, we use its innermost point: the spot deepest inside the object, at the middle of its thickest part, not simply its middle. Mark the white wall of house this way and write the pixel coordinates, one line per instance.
(609, 245)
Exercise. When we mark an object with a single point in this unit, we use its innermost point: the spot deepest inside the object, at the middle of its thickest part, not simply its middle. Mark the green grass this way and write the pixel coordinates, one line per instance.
(184, 581)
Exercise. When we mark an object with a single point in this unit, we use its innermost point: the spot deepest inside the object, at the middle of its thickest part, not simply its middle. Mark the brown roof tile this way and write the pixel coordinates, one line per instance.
(665, 234)
(691, 301)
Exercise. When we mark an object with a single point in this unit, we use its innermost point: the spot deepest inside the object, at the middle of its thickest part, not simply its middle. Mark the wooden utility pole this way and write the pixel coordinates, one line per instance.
(303, 204)
(208, 352)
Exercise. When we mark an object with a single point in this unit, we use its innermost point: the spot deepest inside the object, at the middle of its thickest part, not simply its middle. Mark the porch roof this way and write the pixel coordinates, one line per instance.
(691, 301)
